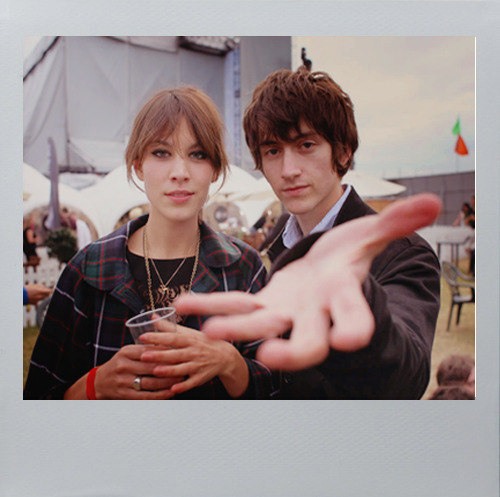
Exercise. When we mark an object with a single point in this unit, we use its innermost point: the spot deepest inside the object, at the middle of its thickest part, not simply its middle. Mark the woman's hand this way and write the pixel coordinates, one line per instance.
(114, 379)
(198, 358)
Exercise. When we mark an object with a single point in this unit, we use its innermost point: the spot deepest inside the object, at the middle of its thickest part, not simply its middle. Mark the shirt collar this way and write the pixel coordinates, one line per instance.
(293, 233)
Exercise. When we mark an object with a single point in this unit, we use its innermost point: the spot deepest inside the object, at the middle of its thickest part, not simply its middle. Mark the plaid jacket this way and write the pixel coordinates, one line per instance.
(95, 295)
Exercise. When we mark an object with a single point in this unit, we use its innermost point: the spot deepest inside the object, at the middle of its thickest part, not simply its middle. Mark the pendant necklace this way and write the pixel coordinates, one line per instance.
(164, 286)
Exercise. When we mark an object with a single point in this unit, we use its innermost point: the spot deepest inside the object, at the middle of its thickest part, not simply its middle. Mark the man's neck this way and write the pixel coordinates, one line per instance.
(309, 220)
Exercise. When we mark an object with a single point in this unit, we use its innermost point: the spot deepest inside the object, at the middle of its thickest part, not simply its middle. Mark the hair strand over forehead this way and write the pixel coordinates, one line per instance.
(160, 116)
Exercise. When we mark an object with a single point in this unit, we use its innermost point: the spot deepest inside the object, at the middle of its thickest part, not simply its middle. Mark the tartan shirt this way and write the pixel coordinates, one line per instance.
(95, 295)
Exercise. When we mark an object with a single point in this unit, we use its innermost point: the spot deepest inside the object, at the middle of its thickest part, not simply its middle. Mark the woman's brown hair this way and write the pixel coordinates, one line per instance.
(159, 117)
(285, 98)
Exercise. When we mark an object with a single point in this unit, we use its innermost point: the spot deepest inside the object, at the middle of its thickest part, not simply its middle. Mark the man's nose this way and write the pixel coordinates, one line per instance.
(291, 166)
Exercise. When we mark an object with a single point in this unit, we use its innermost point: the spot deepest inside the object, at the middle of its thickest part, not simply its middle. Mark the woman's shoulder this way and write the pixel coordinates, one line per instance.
(223, 249)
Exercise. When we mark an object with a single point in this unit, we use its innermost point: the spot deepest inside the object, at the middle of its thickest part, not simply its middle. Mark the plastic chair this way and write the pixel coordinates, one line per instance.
(452, 275)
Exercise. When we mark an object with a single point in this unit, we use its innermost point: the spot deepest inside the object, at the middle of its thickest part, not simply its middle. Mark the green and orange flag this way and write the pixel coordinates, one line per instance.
(460, 147)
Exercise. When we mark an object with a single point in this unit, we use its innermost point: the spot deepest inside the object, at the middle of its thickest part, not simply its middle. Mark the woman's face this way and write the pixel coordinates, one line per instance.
(177, 175)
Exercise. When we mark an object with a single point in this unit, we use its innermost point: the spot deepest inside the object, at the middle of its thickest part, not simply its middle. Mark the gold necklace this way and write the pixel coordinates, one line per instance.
(164, 286)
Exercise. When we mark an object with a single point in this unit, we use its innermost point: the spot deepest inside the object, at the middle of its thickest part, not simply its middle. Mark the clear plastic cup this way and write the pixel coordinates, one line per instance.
(146, 322)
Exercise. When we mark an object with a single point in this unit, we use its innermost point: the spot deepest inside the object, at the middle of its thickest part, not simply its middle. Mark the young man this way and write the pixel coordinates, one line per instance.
(362, 303)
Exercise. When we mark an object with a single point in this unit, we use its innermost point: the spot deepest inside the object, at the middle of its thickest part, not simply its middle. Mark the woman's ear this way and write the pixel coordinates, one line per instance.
(138, 170)
(215, 177)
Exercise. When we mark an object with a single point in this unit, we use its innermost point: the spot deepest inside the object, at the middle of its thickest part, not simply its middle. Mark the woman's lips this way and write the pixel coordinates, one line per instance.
(180, 196)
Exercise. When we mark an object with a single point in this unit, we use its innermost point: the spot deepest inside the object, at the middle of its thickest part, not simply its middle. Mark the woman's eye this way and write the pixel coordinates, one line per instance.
(160, 153)
(199, 155)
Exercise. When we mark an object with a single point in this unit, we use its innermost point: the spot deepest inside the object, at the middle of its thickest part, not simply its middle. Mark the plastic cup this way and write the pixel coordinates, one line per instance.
(146, 322)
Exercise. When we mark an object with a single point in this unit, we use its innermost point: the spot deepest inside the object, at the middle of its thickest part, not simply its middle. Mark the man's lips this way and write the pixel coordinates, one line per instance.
(293, 191)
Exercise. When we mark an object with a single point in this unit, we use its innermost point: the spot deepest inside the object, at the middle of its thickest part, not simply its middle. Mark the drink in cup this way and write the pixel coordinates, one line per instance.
(146, 321)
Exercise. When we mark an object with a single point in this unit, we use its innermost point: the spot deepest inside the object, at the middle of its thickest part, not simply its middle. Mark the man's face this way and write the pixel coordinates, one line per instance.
(301, 173)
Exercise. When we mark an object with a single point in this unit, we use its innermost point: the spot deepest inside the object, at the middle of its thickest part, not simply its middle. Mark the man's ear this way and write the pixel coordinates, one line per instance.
(346, 157)
(138, 170)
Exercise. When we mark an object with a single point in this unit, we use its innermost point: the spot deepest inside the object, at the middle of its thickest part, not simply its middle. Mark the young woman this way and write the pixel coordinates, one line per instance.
(84, 349)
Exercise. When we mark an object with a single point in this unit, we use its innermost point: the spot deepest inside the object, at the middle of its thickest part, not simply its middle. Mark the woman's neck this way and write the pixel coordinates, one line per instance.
(166, 240)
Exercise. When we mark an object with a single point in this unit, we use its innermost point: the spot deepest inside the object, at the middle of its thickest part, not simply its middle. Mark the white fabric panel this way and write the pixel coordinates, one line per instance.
(260, 56)
(168, 43)
(149, 72)
(97, 88)
(103, 155)
(204, 71)
(44, 113)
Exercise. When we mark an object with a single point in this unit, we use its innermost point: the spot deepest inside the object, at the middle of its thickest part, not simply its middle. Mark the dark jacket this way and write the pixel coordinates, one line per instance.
(403, 291)
(95, 295)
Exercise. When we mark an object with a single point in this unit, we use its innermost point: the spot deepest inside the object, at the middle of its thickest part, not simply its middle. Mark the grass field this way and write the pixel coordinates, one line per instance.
(459, 340)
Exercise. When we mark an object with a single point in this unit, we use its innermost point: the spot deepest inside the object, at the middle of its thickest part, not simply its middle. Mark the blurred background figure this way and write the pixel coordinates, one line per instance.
(456, 377)
(456, 392)
(30, 241)
(34, 292)
(470, 220)
(465, 213)
(457, 370)
(83, 235)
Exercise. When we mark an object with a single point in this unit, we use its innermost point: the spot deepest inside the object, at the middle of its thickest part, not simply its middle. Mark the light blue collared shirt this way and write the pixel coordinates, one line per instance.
(293, 233)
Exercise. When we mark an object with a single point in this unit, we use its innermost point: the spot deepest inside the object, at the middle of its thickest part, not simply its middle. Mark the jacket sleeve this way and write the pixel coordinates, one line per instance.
(60, 355)
(403, 291)
(262, 383)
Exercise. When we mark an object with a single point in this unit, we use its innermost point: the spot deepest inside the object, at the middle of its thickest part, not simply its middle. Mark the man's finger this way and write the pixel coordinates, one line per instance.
(354, 323)
(216, 303)
(258, 324)
(403, 217)
(307, 346)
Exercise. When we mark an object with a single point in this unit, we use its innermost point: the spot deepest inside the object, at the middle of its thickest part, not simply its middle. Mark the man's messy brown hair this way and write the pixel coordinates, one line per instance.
(286, 98)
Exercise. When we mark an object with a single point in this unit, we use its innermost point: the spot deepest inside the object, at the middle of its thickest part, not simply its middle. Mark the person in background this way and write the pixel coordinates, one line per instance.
(470, 220)
(457, 370)
(84, 350)
(82, 230)
(355, 294)
(30, 241)
(34, 293)
(463, 215)
(455, 392)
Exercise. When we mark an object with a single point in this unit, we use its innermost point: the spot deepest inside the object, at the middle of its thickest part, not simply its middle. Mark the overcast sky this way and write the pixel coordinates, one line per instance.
(407, 94)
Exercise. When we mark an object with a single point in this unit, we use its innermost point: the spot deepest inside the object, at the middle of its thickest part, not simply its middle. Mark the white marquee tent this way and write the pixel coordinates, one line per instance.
(36, 192)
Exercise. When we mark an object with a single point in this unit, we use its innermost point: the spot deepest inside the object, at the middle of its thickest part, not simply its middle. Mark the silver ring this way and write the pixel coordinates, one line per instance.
(136, 384)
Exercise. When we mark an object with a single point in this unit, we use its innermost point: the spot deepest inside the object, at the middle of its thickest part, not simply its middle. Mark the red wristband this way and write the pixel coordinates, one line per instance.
(91, 384)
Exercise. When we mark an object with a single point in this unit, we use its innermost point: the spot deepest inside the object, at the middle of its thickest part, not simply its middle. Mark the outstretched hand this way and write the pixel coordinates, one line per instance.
(318, 297)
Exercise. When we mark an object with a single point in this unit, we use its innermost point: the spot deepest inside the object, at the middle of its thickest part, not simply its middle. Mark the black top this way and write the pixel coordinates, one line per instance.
(162, 296)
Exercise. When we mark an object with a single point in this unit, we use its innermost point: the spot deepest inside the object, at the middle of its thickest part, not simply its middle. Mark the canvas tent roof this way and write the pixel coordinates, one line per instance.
(85, 91)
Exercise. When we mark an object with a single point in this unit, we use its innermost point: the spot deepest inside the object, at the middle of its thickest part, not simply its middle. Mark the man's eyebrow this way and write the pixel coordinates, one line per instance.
(268, 142)
(290, 139)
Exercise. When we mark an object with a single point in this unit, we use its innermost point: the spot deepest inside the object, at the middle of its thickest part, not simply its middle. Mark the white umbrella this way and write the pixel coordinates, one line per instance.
(114, 196)
(259, 190)
(370, 186)
(36, 189)
(237, 182)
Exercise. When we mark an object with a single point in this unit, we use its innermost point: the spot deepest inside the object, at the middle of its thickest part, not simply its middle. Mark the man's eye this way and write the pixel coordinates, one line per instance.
(271, 152)
(160, 153)
(308, 145)
(199, 155)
